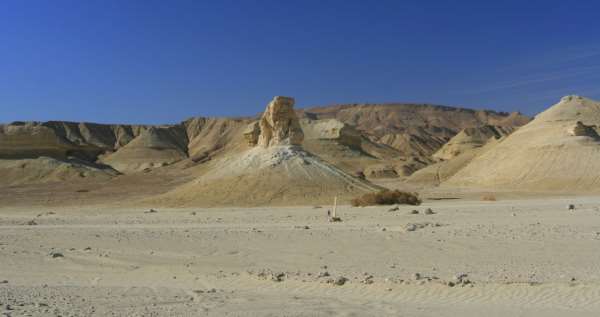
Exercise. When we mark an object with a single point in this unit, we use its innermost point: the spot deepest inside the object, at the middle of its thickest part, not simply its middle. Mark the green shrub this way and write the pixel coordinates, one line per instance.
(387, 197)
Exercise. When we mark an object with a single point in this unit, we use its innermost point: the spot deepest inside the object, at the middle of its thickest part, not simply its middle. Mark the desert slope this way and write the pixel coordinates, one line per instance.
(414, 129)
(275, 170)
(557, 151)
(282, 175)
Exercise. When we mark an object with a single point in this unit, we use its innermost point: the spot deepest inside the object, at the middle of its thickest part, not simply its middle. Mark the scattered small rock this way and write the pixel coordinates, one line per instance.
(368, 279)
(151, 211)
(394, 209)
(323, 274)
(417, 276)
(340, 281)
(429, 211)
(193, 213)
(335, 219)
(31, 223)
(317, 207)
(414, 212)
(4, 282)
(459, 279)
(55, 255)
(278, 277)
(570, 207)
(411, 227)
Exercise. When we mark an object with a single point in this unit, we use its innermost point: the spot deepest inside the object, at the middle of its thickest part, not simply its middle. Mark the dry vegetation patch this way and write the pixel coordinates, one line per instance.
(386, 197)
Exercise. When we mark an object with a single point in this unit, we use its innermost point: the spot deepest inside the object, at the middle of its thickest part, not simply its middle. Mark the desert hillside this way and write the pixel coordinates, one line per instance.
(557, 151)
(343, 146)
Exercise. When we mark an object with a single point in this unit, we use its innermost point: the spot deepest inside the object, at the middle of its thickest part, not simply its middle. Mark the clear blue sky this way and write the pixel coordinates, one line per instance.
(163, 61)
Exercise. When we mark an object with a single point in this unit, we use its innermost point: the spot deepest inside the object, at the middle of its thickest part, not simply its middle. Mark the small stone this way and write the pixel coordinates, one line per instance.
(570, 207)
(394, 209)
(414, 212)
(451, 284)
(417, 276)
(411, 227)
(323, 274)
(383, 229)
(429, 211)
(55, 255)
(4, 282)
(31, 223)
(340, 281)
(278, 277)
(193, 213)
(151, 211)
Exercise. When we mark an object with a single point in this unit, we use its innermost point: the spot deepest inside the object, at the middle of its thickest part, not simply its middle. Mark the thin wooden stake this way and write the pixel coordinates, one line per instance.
(334, 205)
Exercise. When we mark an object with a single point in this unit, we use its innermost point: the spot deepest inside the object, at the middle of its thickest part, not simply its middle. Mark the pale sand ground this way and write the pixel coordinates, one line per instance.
(525, 258)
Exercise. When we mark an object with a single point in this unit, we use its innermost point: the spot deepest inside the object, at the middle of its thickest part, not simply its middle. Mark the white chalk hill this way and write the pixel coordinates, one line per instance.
(558, 151)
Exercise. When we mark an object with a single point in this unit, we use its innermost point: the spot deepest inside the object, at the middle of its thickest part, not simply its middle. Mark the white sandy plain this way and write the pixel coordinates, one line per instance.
(529, 257)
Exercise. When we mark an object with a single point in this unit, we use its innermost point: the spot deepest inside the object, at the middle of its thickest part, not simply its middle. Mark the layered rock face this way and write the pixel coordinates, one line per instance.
(251, 133)
(279, 124)
(415, 130)
(331, 130)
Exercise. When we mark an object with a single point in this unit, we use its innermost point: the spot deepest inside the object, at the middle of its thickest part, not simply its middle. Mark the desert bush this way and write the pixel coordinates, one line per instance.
(488, 197)
(387, 197)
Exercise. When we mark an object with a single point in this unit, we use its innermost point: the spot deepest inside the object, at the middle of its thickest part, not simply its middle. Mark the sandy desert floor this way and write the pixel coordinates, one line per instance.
(527, 257)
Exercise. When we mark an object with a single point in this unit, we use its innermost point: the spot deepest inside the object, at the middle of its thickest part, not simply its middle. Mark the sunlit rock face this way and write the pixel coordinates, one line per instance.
(279, 124)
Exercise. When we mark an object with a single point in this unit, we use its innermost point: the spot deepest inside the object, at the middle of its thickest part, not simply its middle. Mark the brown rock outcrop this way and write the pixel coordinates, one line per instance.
(581, 129)
(279, 124)
(251, 133)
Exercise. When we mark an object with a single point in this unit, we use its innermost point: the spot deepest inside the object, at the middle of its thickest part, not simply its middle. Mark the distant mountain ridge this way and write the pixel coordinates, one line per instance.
(403, 136)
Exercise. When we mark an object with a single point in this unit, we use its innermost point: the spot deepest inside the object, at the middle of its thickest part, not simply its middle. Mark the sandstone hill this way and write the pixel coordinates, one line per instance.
(469, 139)
(458, 155)
(557, 151)
(274, 170)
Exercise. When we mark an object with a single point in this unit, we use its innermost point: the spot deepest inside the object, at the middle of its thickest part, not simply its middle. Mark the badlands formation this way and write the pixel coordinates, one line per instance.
(275, 170)
(274, 158)
(228, 216)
